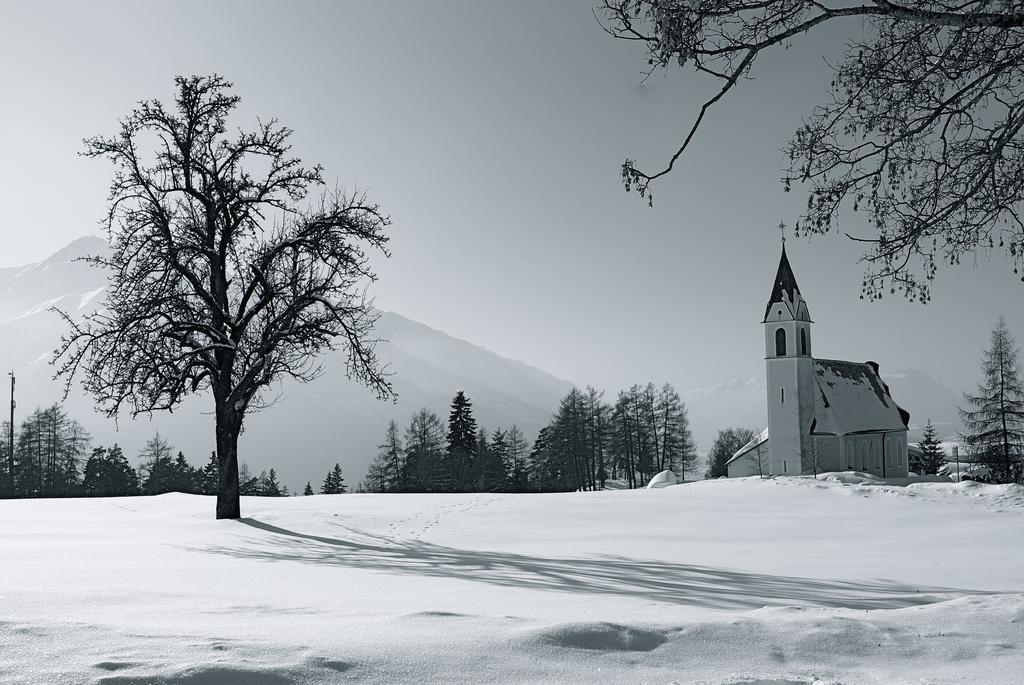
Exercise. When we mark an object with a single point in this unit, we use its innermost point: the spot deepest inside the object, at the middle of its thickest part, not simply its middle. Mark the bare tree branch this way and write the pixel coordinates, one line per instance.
(923, 130)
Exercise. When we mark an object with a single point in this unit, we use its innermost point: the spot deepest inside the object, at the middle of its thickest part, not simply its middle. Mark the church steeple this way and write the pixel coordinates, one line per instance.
(786, 292)
(789, 373)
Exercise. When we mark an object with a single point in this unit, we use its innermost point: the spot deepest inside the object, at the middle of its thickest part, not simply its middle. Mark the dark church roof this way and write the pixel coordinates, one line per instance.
(852, 398)
(785, 282)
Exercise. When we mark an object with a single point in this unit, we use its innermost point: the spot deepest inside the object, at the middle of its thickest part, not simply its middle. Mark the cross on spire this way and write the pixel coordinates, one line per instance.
(782, 230)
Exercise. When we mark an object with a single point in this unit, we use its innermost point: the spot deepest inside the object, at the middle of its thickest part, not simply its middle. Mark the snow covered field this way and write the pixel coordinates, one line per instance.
(786, 581)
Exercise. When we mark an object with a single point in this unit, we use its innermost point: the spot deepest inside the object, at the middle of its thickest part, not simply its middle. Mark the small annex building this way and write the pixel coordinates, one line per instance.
(823, 414)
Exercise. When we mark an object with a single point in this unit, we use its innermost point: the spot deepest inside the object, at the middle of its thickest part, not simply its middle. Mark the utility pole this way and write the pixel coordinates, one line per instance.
(10, 443)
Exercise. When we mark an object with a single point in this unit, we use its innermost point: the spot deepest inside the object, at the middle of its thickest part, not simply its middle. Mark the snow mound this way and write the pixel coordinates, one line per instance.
(773, 681)
(310, 671)
(603, 637)
(214, 675)
(852, 478)
(1003, 496)
(663, 480)
(994, 497)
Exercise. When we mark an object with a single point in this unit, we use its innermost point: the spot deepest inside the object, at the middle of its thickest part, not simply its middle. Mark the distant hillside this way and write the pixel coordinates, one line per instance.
(925, 397)
(333, 419)
(733, 402)
(313, 425)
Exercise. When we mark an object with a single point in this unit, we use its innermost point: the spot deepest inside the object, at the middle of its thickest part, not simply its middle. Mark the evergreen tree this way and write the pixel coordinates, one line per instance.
(540, 465)
(518, 476)
(308, 490)
(28, 457)
(424, 468)
(678, 451)
(568, 450)
(7, 486)
(108, 474)
(597, 429)
(94, 477)
(248, 484)
(578, 443)
(270, 486)
(589, 442)
(48, 449)
(209, 477)
(933, 457)
(387, 470)
(75, 443)
(157, 466)
(462, 443)
(334, 483)
(995, 415)
(492, 458)
(376, 478)
(125, 479)
(184, 477)
(727, 443)
(635, 445)
(342, 488)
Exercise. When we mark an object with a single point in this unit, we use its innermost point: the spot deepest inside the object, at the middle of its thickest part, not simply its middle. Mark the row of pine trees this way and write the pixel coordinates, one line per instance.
(587, 443)
(54, 457)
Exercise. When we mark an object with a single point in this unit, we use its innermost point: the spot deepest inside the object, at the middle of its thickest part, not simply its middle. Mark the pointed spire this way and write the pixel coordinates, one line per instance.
(785, 283)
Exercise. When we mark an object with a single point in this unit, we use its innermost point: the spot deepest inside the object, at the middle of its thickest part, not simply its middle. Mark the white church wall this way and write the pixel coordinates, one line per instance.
(881, 454)
(896, 458)
(743, 467)
(826, 453)
(790, 411)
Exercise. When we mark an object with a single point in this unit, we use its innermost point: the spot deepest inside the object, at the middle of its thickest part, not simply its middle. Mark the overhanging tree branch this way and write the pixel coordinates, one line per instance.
(922, 131)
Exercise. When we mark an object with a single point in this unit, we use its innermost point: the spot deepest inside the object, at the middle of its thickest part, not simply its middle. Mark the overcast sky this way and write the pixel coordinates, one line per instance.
(493, 134)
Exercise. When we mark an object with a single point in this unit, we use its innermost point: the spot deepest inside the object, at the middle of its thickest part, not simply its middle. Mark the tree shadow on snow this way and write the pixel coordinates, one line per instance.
(653, 580)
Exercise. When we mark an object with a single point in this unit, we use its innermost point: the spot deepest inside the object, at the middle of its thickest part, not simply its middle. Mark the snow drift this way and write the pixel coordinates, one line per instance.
(791, 580)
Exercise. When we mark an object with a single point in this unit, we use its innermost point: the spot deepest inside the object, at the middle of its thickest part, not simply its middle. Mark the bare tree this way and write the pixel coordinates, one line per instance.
(922, 129)
(811, 457)
(758, 457)
(219, 280)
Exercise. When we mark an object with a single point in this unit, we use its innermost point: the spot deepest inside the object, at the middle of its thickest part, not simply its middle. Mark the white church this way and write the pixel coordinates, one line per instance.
(823, 414)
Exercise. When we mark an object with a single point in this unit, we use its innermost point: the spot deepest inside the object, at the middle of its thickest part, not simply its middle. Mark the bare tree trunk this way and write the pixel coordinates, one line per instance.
(228, 428)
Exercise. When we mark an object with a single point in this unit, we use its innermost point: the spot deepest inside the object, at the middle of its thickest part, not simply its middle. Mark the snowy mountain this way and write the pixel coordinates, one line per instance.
(58, 280)
(314, 425)
(925, 397)
(734, 401)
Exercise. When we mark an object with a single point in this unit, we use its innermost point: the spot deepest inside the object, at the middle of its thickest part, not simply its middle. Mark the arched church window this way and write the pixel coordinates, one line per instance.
(782, 395)
(803, 341)
(780, 342)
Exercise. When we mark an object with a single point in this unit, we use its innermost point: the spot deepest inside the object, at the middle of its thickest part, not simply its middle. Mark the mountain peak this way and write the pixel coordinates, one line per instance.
(86, 246)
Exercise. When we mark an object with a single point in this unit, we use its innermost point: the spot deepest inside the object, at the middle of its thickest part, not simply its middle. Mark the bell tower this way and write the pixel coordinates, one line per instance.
(789, 373)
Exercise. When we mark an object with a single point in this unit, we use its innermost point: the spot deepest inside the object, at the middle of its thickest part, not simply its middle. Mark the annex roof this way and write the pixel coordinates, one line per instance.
(758, 439)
